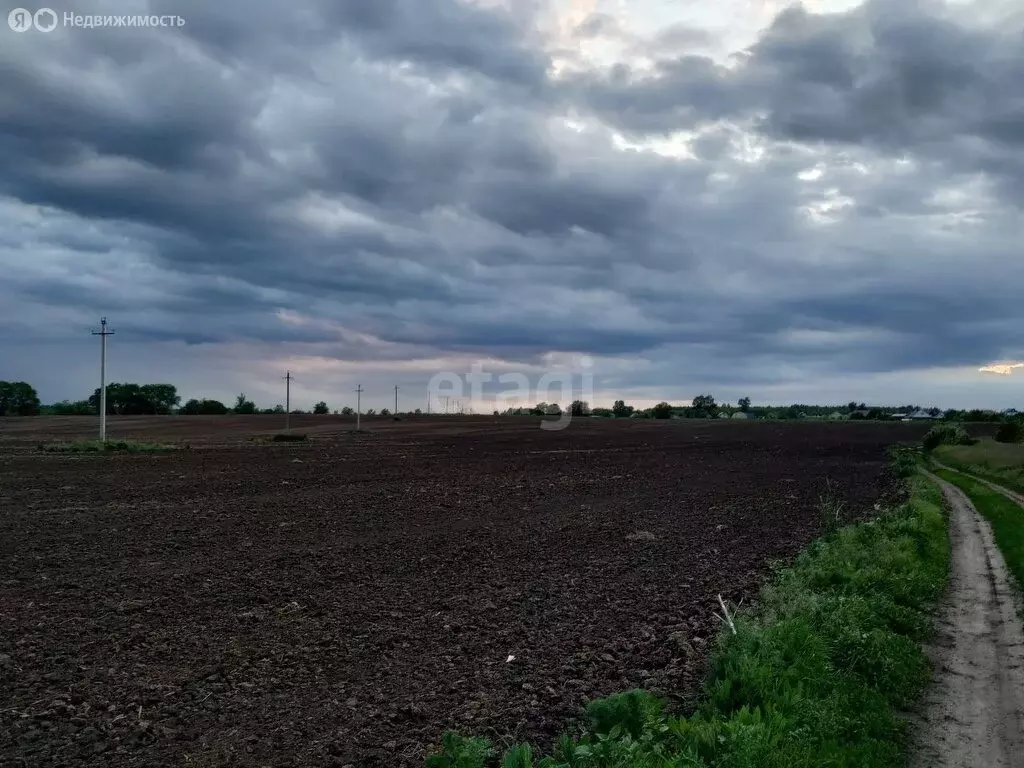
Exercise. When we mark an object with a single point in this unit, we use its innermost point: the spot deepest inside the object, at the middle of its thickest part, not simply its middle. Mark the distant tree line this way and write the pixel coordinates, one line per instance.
(706, 407)
(18, 398)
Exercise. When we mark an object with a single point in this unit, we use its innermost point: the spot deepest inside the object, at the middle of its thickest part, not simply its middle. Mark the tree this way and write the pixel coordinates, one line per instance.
(244, 406)
(579, 408)
(744, 404)
(320, 408)
(385, 412)
(704, 407)
(418, 412)
(18, 398)
(371, 412)
(69, 408)
(163, 398)
(278, 409)
(129, 399)
(621, 410)
(204, 407)
(662, 411)
(347, 411)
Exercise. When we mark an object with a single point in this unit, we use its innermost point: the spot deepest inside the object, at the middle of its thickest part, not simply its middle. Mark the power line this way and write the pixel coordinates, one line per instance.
(103, 333)
(287, 400)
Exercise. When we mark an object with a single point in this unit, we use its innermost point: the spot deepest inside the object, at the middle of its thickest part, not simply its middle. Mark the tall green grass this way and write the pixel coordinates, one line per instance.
(1001, 463)
(814, 676)
(1005, 515)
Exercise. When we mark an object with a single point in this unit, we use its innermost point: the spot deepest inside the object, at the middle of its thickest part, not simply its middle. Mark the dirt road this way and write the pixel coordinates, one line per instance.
(1019, 498)
(975, 710)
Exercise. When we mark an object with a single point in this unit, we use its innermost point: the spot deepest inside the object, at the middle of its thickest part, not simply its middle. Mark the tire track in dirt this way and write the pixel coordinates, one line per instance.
(974, 713)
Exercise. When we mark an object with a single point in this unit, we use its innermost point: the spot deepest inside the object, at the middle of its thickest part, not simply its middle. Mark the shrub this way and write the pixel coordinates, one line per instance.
(1010, 432)
(946, 434)
(288, 437)
(662, 411)
(904, 460)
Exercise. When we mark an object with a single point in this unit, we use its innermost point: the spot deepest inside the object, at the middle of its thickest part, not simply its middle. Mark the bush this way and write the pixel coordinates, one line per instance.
(204, 407)
(662, 411)
(1010, 432)
(904, 460)
(946, 434)
(288, 437)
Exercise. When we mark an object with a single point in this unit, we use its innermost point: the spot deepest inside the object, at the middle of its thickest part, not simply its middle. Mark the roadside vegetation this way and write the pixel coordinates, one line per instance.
(108, 446)
(815, 675)
(1001, 463)
(1005, 515)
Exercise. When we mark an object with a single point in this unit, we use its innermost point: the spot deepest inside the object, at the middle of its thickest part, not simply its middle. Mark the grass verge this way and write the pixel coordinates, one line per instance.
(815, 675)
(1006, 517)
(108, 446)
(1001, 463)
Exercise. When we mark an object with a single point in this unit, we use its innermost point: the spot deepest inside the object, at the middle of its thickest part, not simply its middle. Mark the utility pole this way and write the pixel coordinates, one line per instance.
(359, 405)
(287, 400)
(103, 333)
(396, 399)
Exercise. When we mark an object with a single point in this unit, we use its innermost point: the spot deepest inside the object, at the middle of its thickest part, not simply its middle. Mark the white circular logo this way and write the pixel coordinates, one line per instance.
(45, 20)
(20, 20)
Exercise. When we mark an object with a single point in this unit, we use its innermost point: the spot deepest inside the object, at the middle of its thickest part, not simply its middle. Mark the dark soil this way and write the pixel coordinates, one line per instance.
(346, 600)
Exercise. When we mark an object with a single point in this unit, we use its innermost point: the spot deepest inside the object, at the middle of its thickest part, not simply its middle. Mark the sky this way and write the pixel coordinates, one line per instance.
(807, 203)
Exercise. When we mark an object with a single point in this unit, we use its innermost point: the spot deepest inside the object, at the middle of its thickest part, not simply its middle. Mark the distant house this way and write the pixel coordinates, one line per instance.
(862, 414)
(837, 415)
(741, 415)
(922, 415)
(901, 416)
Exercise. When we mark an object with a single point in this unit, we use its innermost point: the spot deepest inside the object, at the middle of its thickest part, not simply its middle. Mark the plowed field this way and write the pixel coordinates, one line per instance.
(345, 600)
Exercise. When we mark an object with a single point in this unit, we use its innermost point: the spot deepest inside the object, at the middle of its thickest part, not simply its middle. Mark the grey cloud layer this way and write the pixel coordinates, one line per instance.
(401, 169)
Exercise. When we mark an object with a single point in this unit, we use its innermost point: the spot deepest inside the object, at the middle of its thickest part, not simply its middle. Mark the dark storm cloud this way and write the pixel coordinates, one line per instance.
(903, 77)
(400, 170)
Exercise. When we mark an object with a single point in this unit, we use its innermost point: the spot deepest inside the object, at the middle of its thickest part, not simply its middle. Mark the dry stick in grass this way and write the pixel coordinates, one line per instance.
(725, 618)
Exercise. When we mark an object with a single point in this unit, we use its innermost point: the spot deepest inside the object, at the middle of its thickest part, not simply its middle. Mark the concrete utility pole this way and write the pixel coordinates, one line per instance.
(359, 405)
(287, 400)
(396, 399)
(103, 333)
